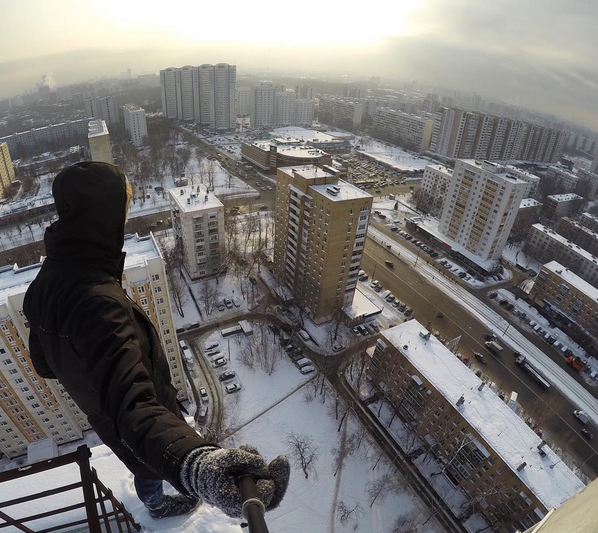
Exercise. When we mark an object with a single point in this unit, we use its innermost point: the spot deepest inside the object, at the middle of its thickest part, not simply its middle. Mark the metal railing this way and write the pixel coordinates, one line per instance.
(106, 519)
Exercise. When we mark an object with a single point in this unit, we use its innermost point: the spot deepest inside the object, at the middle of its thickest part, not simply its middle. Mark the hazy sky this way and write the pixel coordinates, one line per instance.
(541, 54)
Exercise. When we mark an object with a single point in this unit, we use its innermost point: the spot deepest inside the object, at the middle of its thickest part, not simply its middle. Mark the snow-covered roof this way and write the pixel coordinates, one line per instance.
(566, 242)
(362, 306)
(306, 171)
(564, 197)
(25, 204)
(497, 170)
(529, 202)
(290, 148)
(448, 172)
(572, 279)
(502, 429)
(97, 128)
(192, 198)
(340, 191)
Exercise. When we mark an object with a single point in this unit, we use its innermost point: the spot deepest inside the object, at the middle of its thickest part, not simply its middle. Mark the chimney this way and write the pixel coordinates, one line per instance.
(521, 466)
(461, 400)
(481, 386)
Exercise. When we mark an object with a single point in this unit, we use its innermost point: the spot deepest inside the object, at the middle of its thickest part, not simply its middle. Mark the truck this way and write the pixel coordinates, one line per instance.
(582, 416)
(575, 362)
(494, 347)
(535, 374)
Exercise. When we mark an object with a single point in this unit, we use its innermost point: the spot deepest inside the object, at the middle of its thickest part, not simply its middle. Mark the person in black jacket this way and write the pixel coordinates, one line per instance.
(87, 333)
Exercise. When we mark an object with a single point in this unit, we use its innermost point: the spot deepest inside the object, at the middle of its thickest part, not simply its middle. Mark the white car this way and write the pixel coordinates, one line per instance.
(307, 369)
(303, 334)
(211, 346)
(236, 302)
(204, 394)
(220, 361)
(233, 387)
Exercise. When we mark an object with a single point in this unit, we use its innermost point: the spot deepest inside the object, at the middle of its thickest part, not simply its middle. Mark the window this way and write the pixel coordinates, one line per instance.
(141, 289)
(155, 277)
(7, 362)
(160, 301)
(144, 302)
(157, 289)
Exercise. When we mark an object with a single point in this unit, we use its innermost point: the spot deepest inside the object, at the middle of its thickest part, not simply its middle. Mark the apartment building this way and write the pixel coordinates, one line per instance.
(480, 207)
(7, 171)
(341, 112)
(262, 104)
(409, 131)
(198, 224)
(591, 178)
(434, 188)
(32, 408)
(589, 221)
(479, 443)
(352, 91)
(135, 123)
(99, 141)
(320, 229)
(545, 244)
(567, 298)
(560, 205)
(532, 180)
(305, 92)
(204, 94)
(242, 97)
(566, 180)
(271, 105)
(304, 112)
(105, 109)
(284, 108)
(578, 234)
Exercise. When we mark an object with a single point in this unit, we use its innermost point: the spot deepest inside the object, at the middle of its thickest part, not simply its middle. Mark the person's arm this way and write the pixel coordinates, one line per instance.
(38, 358)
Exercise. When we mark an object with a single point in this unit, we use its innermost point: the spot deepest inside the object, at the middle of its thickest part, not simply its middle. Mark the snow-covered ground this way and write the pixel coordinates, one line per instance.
(390, 154)
(557, 375)
(516, 256)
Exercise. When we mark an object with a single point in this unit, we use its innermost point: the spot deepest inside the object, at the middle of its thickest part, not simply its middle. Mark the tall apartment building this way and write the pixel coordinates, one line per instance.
(135, 123)
(594, 165)
(198, 224)
(481, 205)
(569, 299)
(545, 244)
(460, 133)
(320, 229)
(430, 103)
(204, 94)
(532, 180)
(434, 188)
(341, 112)
(99, 141)
(305, 92)
(242, 97)
(566, 181)
(578, 234)
(32, 408)
(304, 112)
(105, 109)
(262, 104)
(7, 171)
(505, 466)
(284, 108)
(351, 91)
(410, 131)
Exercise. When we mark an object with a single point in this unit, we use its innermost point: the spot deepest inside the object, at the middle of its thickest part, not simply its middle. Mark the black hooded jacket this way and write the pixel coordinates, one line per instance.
(87, 333)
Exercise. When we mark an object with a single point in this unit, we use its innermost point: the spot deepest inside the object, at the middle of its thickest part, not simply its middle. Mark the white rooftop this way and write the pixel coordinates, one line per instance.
(340, 191)
(441, 168)
(305, 134)
(529, 202)
(307, 171)
(133, 107)
(496, 169)
(504, 431)
(194, 198)
(291, 148)
(590, 216)
(362, 306)
(565, 197)
(557, 237)
(572, 279)
(97, 128)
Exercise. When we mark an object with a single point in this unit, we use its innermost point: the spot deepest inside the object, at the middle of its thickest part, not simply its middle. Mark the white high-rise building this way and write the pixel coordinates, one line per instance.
(205, 95)
(304, 112)
(135, 123)
(99, 141)
(242, 96)
(103, 108)
(198, 224)
(284, 108)
(184, 93)
(262, 104)
(169, 92)
(225, 79)
(32, 408)
(480, 207)
(305, 92)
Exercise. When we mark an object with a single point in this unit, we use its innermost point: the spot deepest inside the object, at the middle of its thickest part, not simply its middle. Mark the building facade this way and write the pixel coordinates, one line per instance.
(560, 205)
(480, 208)
(7, 171)
(509, 474)
(565, 181)
(545, 244)
(105, 109)
(591, 178)
(242, 97)
(434, 188)
(168, 92)
(99, 141)
(280, 152)
(341, 112)
(198, 224)
(578, 234)
(135, 123)
(304, 112)
(262, 104)
(589, 221)
(532, 180)
(305, 92)
(320, 229)
(409, 131)
(32, 408)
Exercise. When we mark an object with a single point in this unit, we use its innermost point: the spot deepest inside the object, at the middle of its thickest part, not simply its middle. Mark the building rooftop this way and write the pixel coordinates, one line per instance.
(362, 306)
(133, 107)
(557, 237)
(290, 147)
(307, 172)
(502, 429)
(97, 128)
(194, 198)
(565, 197)
(590, 216)
(572, 279)
(496, 169)
(340, 191)
(529, 202)
(441, 168)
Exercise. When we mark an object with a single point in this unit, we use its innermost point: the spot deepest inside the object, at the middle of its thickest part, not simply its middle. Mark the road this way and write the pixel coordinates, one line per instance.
(551, 409)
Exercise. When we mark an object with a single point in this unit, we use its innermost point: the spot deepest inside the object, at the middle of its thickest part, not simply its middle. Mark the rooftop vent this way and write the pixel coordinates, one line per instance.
(188, 201)
(521, 466)
(332, 191)
(481, 385)
(461, 400)
(182, 191)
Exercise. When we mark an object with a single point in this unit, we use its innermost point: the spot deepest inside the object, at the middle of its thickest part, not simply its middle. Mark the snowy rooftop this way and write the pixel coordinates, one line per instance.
(508, 435)
(194, 198)
(306, 171)
(565, 197)
(496, 169)
(529, 202)
(97, 128)
(340, 191)
(589, 217)
(557, 237)
(523, 174)
(572, 279)
(441, 168)
(291, 148)
(25, 204)
(563, 170)
(133, 107)
(362, 306)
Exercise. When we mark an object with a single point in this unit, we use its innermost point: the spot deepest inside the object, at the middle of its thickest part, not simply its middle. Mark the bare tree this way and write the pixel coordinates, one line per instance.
(380, 488)
(173, 259)
(407, 523)
(304, 453)
(349, 515)
(185, 155)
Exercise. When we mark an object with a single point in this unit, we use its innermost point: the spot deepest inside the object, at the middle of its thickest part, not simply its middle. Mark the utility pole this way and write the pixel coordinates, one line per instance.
(417, 258)
(374, 272)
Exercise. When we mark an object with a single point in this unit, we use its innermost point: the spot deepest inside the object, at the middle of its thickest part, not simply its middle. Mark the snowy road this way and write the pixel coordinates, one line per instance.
(518, 342)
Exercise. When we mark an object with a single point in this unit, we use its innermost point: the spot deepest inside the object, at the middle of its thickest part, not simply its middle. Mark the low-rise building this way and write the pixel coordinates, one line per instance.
(434, 188)
(528, 215)
(198, 225)
(560, 205)
(545, 244)
(479, 443)
(591, 178)
(403, 129)
(99, 141)
(589, 221)
(568, 299)
(281, 152)
(566, 180)
(577, 233)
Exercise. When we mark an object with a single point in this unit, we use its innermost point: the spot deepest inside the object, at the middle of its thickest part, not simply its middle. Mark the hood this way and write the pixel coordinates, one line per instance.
(90, 200)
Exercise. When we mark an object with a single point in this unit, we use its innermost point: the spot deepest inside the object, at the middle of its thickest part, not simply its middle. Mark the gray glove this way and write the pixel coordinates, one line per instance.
(212, 474)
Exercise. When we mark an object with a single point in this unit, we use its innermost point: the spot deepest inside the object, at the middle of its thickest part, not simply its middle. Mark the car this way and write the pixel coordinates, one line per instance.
(489, 337)
(402, 307)
(232, 387)
(378, 288)
(225, 376)
(510, 307)
(307, 369)
(228, 303)
(355, 332)
(365, 277)
(394, 228)
(220, 361)
(236, 302)
(304, 335)
(587, 434)
(503, 302)
(390, 298)
(461, 274)
(481, 357)
(478, 373)
(263, 207)
(408, 312)
(204, 394)
(212, 353)
(297, 351)
(408, 237)
(467, 277)
(289, 347)
(337, 347)
(434, 254)
(447, 265)
(221, 307)
(376, 327)
(374, 283)
(492, 295)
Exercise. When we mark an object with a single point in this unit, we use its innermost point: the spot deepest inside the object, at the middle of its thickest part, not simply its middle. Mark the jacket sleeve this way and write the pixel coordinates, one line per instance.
(104, 339)
(38, 358)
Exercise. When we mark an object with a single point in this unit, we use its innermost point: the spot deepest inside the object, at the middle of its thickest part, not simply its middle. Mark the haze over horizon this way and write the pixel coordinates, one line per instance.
(540, 55)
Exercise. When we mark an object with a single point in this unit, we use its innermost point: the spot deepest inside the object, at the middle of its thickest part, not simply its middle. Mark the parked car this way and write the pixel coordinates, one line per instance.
(204, 394)
(481, 357)
(375, 327)
(365, 277)
(337, 347)
(307, 369)
(225, 376)
(402, 307)
(236, 302)
(355, 332)
(212, 353)
(304, 335)
(220, 361)
(233, 387)
(211, 346)
(389, 264)
(228, 303)
(503, 302)
(221, 307)
(408, 312)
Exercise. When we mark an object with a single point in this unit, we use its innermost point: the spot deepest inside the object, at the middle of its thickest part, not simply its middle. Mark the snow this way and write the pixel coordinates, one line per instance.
(194, 198)
(345, 191)
(572, 279)
(564, 197)
(362, 306)
(515, 255)
(390, 154)
(508, 435)
(557, 375)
